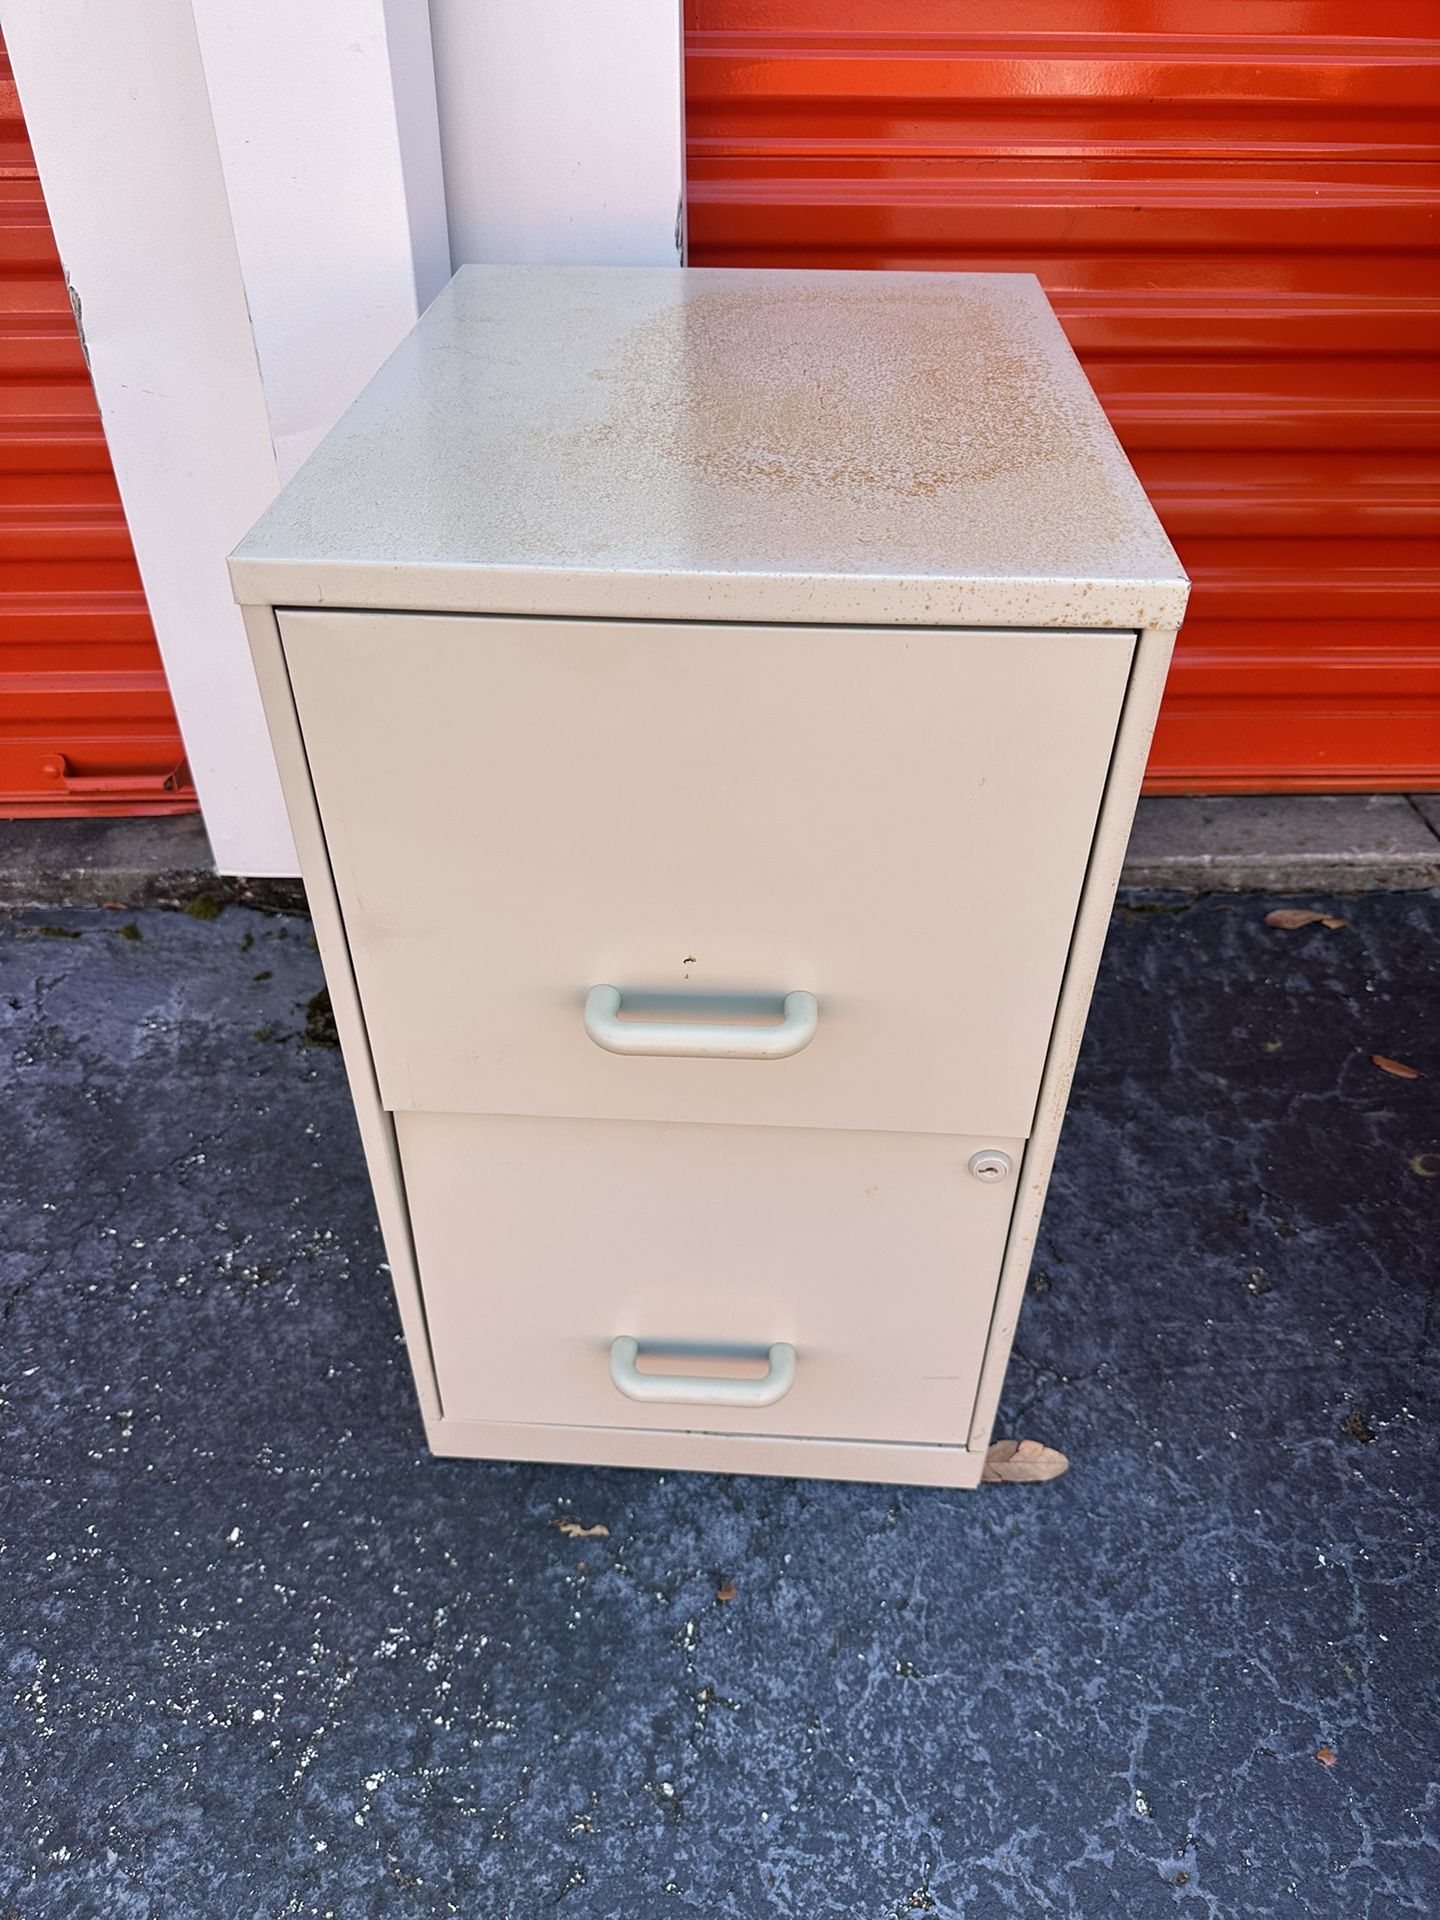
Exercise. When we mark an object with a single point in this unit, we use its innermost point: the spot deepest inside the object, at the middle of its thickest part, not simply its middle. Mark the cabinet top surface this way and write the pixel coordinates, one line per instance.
(716, 443)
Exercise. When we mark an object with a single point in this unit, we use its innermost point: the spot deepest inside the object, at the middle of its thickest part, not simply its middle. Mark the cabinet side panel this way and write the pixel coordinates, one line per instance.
(377, 1133)
(1112, 836)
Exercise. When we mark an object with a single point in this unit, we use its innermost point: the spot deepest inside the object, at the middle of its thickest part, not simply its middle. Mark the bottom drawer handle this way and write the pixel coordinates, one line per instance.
(694, 1389)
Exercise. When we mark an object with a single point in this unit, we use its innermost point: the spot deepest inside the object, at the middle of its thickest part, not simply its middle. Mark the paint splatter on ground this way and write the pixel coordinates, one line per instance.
(262, 1656)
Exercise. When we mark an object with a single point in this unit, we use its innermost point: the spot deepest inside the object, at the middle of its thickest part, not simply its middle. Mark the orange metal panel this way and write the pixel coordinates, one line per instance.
(1233, 205)
(86, 722)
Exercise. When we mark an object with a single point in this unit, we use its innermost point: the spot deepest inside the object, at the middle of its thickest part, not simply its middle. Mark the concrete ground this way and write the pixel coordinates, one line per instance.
(1285, 843)
(263, 1657)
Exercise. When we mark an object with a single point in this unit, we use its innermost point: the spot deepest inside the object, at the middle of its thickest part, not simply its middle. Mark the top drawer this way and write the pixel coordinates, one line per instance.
(707, 818)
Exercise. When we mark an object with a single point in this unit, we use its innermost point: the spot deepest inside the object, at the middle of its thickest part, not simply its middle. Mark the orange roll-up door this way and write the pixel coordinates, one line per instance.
(1233, 206)
(86, 723)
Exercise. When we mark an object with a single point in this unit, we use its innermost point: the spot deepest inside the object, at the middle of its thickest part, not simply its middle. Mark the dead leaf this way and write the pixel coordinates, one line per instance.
(573, 1530)
(1327, 1756)
(1289, 918)
(727, 1590)
(1426, 1166)
(1397, 1067)
(1011, 1460)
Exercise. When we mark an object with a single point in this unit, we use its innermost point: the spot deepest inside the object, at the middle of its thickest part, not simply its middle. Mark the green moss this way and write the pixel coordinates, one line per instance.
(320, 1028)
(1134, 910)
(204, 907)
(129, 932)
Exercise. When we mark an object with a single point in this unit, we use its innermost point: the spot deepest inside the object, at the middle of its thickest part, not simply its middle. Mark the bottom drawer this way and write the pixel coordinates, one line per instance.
(541, 1243)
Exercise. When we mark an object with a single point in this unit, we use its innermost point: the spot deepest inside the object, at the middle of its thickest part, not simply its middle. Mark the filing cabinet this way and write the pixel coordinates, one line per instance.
(711, 706)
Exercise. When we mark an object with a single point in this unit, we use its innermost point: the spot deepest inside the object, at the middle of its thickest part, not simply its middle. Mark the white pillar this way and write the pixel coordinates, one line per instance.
(324, 114)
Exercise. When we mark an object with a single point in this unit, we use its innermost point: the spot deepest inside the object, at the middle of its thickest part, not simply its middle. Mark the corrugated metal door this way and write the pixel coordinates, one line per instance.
(1232, 204)
(86, 724)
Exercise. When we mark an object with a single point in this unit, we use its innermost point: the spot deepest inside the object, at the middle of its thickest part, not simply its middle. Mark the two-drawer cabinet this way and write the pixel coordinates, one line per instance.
(711, 707)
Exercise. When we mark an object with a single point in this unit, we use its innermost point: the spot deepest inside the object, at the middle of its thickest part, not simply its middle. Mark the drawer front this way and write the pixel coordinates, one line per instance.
(707, 819)
(874, 1256)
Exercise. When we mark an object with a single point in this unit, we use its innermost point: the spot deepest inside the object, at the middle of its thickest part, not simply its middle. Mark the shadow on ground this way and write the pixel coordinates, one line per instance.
(264, 1657)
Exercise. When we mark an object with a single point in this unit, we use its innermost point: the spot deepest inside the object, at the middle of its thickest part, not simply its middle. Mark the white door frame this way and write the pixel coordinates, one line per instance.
(250, 206)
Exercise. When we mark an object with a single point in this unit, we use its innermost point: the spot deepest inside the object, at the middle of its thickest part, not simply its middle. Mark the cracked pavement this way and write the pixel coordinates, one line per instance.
(263, 1656)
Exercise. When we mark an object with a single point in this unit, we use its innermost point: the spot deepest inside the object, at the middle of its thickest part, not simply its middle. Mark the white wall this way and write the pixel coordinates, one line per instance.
(249, 201)
(562, 128)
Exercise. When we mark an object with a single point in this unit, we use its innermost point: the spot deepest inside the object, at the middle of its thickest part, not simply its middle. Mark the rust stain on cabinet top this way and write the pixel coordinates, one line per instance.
(873, 400)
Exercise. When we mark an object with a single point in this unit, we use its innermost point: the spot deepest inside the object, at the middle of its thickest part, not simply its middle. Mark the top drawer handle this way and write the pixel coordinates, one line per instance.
(700, 1039)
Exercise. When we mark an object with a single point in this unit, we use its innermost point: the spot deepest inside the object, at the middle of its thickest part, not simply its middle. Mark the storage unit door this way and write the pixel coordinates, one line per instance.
(711, 821)
(86, 724)
(1233, 207)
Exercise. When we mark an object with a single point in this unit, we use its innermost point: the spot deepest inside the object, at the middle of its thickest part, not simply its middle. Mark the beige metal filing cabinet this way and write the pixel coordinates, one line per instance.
(711, 706)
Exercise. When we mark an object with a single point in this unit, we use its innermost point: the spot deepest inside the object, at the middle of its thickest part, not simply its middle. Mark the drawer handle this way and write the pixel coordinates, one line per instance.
(694, 1389)
(700, 1039)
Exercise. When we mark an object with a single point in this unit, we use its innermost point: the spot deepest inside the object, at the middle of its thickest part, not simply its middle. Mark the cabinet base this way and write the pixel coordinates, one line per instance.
(919, 1466)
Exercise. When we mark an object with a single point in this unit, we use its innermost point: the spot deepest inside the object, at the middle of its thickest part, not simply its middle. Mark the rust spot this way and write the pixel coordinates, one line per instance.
(849, 397)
